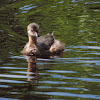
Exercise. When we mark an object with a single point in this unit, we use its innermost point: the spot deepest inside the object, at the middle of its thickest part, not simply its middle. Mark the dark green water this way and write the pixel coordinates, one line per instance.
(76, 75)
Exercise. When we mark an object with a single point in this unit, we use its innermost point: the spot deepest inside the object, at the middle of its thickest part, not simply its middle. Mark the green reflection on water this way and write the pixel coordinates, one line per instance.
(74, 23)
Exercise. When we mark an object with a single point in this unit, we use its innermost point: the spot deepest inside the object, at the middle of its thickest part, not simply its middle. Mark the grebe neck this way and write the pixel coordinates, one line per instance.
(32, 40)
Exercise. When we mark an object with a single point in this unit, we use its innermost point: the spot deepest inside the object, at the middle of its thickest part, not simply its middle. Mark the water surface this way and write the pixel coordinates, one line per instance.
(75, 75)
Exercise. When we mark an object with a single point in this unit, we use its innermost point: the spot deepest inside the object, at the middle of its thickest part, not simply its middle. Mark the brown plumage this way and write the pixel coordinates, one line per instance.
(43, 46)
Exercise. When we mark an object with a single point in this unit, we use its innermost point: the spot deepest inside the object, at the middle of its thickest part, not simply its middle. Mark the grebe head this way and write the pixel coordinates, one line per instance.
(32, 29)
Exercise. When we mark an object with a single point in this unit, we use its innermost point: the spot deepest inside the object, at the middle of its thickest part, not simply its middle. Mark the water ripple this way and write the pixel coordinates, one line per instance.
(52, 82)
(95, 74)
(70, 94)
(61, 2)
(28, 7)
(76, 78)
(14, 76)
(4, 86)
(92, 2)
(11, 81)
(61, 71)
(22, 72)
(1, 98)
(12, 68)
(64, 88)
(86, 47)
(72, 88)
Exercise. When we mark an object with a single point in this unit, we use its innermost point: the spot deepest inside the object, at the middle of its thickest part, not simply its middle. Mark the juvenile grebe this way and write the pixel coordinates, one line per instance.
(44, 46)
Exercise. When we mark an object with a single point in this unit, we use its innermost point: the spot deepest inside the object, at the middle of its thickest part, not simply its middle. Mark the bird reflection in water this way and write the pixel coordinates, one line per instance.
(31, 71)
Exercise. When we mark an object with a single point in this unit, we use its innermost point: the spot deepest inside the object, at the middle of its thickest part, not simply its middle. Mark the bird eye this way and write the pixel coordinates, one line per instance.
(32, 30)
(34, 50)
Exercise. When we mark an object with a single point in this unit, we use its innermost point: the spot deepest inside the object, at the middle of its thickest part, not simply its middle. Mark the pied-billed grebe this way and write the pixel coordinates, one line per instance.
(43, 46)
